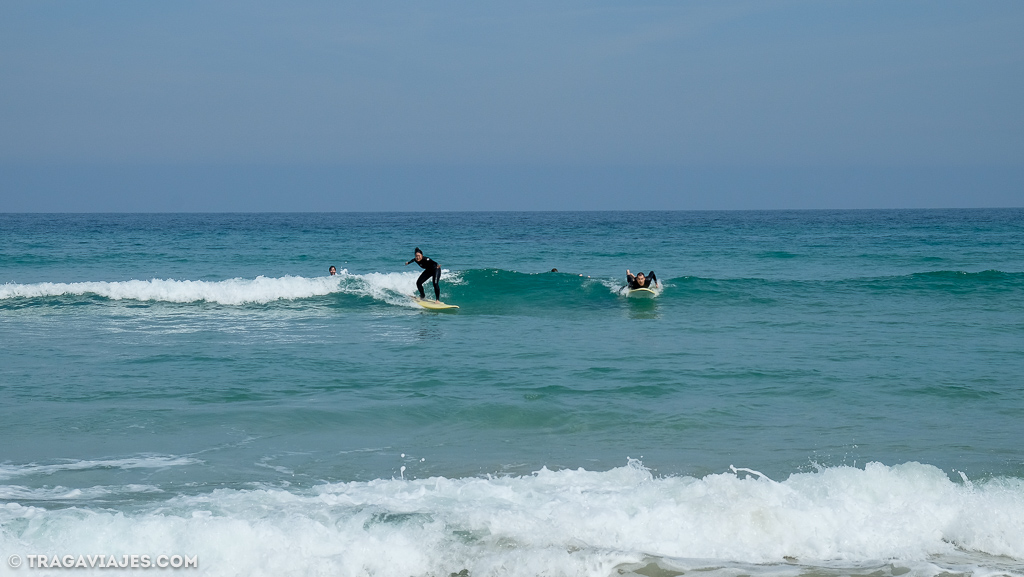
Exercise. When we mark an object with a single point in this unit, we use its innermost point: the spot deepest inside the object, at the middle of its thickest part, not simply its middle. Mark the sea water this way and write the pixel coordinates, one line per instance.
(812, 393)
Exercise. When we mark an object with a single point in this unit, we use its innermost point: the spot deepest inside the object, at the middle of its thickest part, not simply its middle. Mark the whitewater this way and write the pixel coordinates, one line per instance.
(236, 291)
(905, 518)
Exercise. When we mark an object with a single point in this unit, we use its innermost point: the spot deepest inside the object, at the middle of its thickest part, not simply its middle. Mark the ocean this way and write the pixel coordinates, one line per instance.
(812, 393)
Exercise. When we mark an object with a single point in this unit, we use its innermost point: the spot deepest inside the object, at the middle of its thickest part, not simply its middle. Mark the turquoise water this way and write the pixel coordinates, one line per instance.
(197, 384)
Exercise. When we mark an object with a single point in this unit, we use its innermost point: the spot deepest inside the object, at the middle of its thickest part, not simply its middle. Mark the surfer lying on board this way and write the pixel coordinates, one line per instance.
(640, 281)
(430, 269)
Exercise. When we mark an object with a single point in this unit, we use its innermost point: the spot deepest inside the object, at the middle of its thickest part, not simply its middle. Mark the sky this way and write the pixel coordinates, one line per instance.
(121, 105)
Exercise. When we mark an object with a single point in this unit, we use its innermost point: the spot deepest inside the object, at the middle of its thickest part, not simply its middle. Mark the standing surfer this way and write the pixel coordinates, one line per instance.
(640, 281)
(430, 269)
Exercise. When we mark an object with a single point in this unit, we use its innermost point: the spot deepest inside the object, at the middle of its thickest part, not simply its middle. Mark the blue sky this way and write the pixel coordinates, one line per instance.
(199, 105)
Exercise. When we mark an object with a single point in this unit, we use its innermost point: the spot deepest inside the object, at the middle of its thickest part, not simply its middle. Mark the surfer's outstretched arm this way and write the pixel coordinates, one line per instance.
(654, 279)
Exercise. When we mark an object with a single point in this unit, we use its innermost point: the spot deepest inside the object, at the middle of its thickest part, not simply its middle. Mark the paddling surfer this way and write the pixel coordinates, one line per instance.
(641, 281)
(431, 270)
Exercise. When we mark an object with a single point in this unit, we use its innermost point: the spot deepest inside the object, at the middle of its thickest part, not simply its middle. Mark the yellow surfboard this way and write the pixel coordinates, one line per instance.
(643, 293)
(434, 306)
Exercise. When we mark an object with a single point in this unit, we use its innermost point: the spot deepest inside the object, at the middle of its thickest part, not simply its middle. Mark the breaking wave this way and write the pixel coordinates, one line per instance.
(879, 520)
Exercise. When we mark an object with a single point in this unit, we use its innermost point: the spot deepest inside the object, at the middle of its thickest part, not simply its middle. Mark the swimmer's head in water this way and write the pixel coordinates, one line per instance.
(333, 271)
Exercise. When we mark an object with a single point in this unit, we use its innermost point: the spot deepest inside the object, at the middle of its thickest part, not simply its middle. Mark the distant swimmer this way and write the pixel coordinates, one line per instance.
(640, 281)
(556, 270)
(430, 269)
(333, 270)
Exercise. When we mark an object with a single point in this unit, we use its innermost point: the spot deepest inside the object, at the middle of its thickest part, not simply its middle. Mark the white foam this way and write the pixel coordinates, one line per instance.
(619, 289)
(58, 493)
(234, 291)
(8, 471)
(570, 522)
(393, 288)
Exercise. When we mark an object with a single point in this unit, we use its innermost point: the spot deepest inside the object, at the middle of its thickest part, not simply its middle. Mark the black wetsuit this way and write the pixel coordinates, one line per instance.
(430, 269)
(632, 284)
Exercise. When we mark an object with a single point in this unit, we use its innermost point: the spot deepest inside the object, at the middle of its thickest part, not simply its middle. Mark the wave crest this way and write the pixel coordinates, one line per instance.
(389, 287)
